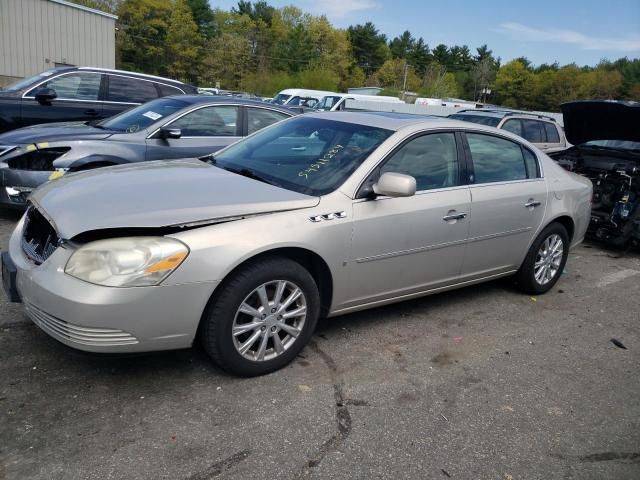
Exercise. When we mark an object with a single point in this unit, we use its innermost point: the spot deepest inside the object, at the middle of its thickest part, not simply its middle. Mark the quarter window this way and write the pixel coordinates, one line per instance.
(166, 90)
(552, 133)
(217, 121)
(496, 159)
(130, 90)
(533, 131)
(532, 164)
(74, 86)
(259, 118)
(431, 159)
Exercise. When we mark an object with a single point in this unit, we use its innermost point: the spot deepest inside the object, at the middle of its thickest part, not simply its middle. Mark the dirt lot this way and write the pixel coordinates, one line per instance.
(481, 383)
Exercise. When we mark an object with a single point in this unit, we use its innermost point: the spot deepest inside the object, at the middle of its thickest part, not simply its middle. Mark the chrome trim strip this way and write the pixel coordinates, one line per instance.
(438, 246)
(98, 72)
(411, 251)
(114, 70)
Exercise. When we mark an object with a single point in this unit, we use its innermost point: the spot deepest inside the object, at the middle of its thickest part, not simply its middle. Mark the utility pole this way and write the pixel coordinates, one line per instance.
(404, 82)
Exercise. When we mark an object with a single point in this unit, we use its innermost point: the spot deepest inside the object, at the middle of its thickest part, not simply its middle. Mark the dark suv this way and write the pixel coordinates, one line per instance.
(80, 94)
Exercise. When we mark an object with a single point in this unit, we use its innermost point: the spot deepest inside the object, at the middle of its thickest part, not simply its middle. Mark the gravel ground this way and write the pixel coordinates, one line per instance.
(480, 383)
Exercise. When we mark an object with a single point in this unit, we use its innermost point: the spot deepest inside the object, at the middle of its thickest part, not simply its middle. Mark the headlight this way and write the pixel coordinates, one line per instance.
(127, 262)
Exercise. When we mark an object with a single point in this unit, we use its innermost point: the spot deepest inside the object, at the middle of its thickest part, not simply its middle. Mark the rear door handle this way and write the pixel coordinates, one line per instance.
(532, 204)
(454, 216)
(91, 112)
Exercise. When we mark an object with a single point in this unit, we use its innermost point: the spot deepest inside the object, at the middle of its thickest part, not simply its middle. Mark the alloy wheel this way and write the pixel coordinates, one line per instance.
(269, 320)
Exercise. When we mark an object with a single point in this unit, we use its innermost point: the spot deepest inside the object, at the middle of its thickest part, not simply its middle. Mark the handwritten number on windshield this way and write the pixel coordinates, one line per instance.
(318, 164)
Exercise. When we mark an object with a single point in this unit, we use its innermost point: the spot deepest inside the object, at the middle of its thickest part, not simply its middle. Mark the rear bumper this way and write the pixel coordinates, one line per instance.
(104, 319)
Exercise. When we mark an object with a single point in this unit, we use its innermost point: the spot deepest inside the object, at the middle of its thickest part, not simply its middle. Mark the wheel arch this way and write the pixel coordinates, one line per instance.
(310, 260)
(567, 222)
(95, 161)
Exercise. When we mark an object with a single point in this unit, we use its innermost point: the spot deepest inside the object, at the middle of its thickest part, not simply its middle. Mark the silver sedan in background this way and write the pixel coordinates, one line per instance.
(318, 215)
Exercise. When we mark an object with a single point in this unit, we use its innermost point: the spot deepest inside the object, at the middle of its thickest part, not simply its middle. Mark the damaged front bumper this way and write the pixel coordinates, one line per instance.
(17, 185)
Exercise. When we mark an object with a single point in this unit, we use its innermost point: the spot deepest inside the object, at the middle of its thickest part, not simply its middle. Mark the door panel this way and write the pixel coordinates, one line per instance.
(507, 205)
(403, 245)
(407, 245)
(502, 226)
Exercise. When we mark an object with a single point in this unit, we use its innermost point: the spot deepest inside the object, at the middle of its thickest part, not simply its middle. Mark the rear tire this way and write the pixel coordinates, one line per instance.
(545, 261)
(261, 318)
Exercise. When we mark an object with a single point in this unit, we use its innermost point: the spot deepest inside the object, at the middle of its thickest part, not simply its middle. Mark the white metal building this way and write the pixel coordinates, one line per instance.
(38, 35)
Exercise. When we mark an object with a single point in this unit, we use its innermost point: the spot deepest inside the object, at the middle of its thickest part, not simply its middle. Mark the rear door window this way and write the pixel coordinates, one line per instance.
(496, 159)
(130, 90)
(533, 130)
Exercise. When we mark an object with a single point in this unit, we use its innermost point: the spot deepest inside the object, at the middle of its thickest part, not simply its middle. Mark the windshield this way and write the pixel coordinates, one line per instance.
(280, 99)
(489, 121)
(307, 155)
(27, 82)
(615, 144)
(327, 103)
(144, 115)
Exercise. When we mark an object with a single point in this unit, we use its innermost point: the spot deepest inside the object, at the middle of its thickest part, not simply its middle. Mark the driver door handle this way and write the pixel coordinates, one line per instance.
(454, 216)
(532, 204)
(91, 112)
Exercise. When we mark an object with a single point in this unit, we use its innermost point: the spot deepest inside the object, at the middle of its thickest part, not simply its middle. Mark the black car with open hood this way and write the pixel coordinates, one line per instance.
(606, 138)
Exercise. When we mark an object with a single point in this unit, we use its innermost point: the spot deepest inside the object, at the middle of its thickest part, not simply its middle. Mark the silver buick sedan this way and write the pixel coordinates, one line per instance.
(315, 216)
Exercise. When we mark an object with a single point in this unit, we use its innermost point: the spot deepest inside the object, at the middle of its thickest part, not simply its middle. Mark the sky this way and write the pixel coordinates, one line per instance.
(544, 31)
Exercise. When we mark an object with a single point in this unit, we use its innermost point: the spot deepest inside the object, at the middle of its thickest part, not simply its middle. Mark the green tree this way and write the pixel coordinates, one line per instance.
(402, 45)
(514, 85)
(203, 16)
(369, 46)
(183, 43)
(141, 36)
(419, 56)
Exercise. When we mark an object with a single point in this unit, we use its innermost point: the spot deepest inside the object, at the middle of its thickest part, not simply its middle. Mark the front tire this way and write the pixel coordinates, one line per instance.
(264, 314)
(545, 261)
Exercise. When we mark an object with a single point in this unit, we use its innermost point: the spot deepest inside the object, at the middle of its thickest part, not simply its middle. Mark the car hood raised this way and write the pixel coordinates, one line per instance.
(157, 194)
(53, 133)
(601, 120)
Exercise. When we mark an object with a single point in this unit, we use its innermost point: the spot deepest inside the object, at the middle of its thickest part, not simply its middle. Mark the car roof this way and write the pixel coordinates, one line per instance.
(388, 120)
(122, 72)
(503, 113)
(221, 99)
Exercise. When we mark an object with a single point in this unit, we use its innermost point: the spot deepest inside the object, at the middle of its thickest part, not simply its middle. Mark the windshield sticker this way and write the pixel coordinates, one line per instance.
(152, 115)
(318, 164)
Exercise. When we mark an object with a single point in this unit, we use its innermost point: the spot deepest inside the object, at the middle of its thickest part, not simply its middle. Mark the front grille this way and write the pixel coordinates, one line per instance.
(94, 337)
(39, 238)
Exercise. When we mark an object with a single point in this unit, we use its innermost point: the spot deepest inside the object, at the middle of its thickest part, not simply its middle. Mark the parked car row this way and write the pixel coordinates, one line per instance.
(162, 129)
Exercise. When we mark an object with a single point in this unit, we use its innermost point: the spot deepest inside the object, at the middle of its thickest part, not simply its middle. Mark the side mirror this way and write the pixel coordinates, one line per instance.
(45, 95)
(169, 132)
(393, 184)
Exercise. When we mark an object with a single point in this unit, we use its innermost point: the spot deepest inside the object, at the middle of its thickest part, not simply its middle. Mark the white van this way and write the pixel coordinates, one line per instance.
(338, 101)
(299, 97)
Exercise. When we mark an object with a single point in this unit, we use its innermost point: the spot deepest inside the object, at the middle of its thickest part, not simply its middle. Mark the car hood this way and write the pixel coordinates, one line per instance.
(53, 133)
(601, 120)
(157, 194)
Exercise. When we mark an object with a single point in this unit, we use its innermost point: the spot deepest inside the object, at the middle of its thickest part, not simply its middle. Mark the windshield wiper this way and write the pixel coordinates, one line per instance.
(246, 172)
